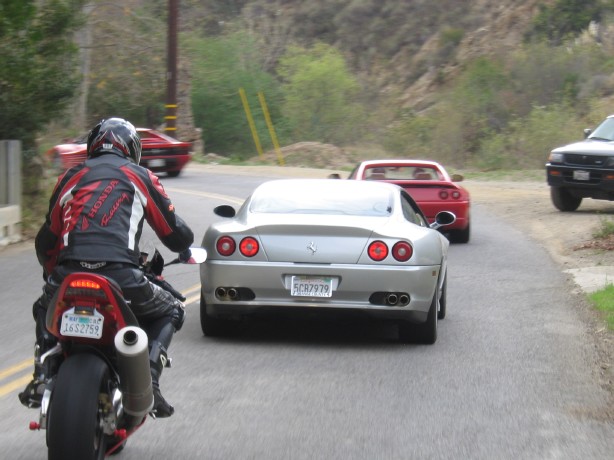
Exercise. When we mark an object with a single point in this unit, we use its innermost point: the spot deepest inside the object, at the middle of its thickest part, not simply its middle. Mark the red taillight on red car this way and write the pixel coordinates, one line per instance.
(378, 250)
(249, 247)
(402, 251)
(225, 246)
(455, 194)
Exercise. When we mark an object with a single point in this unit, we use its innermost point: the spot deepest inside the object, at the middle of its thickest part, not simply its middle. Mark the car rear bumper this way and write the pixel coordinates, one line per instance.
(265, 286)
(164, 163)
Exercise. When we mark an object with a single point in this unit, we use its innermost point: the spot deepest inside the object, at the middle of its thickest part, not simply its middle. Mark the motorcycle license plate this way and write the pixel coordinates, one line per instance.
(76, 325)
(311, 286)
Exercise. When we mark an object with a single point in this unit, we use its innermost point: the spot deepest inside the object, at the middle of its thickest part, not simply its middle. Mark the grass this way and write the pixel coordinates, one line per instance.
(605, 229)
(603, 301)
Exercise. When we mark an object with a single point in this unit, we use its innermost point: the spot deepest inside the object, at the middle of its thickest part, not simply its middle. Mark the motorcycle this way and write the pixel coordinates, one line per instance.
(102, 391)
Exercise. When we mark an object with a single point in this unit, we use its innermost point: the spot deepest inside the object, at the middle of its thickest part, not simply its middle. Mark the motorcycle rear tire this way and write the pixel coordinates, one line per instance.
(74, 427)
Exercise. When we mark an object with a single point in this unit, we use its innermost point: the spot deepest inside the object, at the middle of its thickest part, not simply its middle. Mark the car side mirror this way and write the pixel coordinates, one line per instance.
(587, 132)
(225, 210)
(457, 177)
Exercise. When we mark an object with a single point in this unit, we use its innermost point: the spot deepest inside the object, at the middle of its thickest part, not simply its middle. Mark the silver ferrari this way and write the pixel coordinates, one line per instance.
(326, 244)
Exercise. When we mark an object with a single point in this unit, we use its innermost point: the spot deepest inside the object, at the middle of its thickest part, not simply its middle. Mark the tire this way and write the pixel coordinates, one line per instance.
(75, 422)
(425, 333)
(441, 313)
(461, 236)
(173, 173)
(212, 326)
(563, 200)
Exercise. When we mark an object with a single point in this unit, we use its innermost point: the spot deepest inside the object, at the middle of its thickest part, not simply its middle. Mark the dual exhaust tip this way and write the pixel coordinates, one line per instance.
(396, 299)
(227, 293)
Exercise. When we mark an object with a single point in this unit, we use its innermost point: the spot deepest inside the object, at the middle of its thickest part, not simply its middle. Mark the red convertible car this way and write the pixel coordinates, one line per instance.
(429, 185)
(161, 153)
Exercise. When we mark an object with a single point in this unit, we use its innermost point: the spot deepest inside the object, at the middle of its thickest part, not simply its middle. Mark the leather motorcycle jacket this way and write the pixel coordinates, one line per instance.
(97, 210)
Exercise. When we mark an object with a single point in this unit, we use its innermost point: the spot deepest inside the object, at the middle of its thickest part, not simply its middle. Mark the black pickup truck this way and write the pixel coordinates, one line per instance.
(583, 169)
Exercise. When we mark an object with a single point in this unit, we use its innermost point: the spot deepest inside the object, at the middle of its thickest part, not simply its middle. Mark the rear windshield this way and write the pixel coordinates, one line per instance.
(308, 200)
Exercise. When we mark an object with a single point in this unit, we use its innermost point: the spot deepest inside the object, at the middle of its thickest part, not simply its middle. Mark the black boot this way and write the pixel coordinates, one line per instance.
(32, 394)
(161, 408)
(159, 360)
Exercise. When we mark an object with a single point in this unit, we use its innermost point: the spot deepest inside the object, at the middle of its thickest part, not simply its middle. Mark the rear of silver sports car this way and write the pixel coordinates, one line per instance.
(320, 267)
(237, 289)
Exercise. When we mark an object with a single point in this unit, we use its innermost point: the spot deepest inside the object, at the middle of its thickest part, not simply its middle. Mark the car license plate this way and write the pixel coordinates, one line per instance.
(311, 286)
(581, 175)
(76, 325)
(156, 163)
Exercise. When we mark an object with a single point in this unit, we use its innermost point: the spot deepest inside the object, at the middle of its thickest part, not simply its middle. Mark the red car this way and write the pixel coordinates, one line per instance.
(161, 153)
(429, 185)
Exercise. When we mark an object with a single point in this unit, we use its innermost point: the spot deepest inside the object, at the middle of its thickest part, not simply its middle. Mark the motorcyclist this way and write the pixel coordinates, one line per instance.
(94, 224)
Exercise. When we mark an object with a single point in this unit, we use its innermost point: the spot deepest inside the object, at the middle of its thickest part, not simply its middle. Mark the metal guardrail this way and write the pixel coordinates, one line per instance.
(10, 192)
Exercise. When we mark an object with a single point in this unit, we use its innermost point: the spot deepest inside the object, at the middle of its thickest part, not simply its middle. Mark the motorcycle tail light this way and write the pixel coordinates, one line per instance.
(402, 251)
(81, 287)
(84, 283)
(249, 247)
(378, 251)
(225, 246)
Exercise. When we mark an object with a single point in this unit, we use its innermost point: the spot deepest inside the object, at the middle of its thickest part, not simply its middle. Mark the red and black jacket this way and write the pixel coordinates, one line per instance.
(96, 213)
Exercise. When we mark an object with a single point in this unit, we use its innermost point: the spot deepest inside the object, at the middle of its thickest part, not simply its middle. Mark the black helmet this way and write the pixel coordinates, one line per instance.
(114, 135)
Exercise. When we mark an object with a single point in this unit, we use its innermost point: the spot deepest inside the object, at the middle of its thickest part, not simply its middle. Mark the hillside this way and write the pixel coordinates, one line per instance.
(412, 47)
(452, 81)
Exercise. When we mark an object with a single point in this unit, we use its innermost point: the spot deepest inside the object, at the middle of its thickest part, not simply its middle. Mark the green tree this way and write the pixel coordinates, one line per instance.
(126, 58)
(322, 97)
(220, 67)
(478, 105)
(37, 64)
(564, 19)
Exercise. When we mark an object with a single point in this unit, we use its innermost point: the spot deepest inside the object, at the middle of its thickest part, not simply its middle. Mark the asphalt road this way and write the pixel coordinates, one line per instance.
(512, 375)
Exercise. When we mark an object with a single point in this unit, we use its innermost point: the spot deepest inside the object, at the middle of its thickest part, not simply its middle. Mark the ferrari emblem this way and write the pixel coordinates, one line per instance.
(312, 247)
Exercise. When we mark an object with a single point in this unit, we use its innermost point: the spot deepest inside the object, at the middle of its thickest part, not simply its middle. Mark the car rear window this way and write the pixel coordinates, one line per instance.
(402, 173)
(353, 201)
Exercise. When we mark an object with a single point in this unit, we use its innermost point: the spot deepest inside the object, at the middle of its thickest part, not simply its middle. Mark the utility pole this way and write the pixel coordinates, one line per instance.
(171, 72)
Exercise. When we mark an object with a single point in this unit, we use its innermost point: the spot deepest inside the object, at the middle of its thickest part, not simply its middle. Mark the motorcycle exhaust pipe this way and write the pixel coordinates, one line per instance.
(134, 371)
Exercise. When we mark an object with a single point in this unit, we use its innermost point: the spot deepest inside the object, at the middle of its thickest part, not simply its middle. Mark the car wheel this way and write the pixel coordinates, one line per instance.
(425, 333)
(461, 236)
(212, 326)
(563, 200)
(441, 313)
(173, 173)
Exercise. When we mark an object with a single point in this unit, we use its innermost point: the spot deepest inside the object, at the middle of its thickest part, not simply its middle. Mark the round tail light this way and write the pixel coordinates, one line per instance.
(402, 251)
(225, 246)
(249, 246)
(378, 250)
(443, 194)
